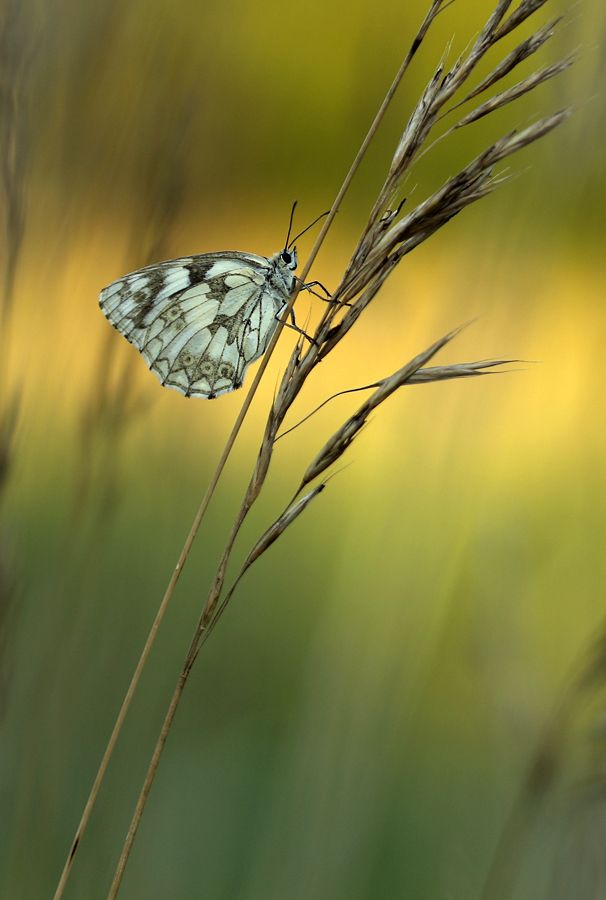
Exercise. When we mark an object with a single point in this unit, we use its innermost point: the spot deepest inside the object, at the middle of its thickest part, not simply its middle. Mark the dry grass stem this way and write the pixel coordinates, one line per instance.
(586, 679)
(15, 64)
(15, 60)
(435, 8)
(14, 67)
(264, 543)
(114, 403)
(387, 237)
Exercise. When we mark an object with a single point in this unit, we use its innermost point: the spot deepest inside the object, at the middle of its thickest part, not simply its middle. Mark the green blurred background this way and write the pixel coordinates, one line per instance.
(363, 717)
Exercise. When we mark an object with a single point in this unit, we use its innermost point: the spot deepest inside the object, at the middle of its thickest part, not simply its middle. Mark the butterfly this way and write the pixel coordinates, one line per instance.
(200, 321)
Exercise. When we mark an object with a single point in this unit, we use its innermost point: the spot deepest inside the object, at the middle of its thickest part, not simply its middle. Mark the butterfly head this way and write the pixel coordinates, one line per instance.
(288, 257)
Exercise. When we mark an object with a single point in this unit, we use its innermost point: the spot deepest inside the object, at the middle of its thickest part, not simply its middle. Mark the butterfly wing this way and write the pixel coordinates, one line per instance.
(198, 321)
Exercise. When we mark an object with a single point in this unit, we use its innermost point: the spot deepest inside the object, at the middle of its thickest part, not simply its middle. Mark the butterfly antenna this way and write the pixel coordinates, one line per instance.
(305, 229)
(292, 215)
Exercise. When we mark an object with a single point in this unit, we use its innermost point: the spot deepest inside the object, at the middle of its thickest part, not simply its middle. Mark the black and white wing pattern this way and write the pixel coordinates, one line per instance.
(200, 321)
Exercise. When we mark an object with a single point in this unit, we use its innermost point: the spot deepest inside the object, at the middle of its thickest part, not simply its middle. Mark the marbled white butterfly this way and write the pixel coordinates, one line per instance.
(200, 321)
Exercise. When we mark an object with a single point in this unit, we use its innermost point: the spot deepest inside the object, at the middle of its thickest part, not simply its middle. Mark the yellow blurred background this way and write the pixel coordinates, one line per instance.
(361, 721)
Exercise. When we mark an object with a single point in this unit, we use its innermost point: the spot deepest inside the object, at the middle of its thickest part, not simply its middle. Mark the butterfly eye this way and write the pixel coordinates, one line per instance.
(286, 257)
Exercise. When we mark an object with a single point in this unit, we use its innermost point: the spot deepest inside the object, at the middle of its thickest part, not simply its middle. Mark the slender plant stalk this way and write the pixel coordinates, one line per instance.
(15, 65)
(156, 624)
(435, 8)
(587, 676)
(385, 240)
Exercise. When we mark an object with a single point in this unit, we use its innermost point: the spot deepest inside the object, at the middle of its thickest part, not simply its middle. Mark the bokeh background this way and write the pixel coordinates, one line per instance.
(369, 708)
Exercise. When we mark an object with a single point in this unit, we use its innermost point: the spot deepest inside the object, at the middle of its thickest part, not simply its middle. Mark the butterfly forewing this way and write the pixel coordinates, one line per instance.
(201, 320)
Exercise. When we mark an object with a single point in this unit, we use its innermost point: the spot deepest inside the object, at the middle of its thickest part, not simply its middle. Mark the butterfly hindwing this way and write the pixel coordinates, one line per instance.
(199, 321)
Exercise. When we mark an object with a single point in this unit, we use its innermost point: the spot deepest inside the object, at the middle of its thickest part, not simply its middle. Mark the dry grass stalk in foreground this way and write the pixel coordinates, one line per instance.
(15, 66)
(386, 238)
(15, 63)
(433, 11)
(579, 869)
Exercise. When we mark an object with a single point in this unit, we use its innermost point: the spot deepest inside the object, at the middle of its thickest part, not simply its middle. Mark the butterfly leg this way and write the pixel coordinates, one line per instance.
(296, 328)
(307, 286)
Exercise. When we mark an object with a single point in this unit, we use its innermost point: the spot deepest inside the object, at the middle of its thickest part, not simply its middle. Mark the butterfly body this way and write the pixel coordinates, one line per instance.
(199, 321)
